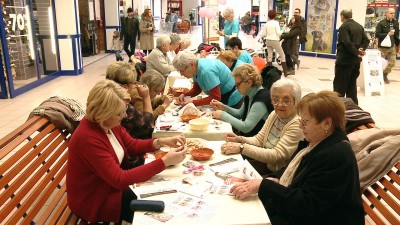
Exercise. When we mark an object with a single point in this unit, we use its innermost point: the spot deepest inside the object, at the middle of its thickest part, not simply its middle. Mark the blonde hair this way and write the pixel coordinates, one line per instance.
(248, 72)
(185, 42)
(122, 73)
(153, 79)
(227, 55)
(227, 12)
(104, 99)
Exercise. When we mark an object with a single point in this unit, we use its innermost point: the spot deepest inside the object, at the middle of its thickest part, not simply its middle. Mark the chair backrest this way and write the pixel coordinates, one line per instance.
(259, 63)
(382, 199)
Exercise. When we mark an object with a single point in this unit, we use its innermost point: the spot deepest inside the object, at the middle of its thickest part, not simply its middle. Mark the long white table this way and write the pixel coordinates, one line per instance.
(228, 209)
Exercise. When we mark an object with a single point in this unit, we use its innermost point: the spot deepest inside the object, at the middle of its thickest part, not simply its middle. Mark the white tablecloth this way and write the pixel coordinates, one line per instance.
(175, 79)
(228, 209)
(216, 130)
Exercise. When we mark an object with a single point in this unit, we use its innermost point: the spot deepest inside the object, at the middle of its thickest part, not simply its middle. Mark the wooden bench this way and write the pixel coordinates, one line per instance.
(32, 175)
(382, 199)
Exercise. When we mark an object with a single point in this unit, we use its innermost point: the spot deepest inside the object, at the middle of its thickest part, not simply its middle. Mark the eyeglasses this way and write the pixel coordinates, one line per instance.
(182, 71)
(304, 122)
(122, 114)
(283, 101)
(238, 84)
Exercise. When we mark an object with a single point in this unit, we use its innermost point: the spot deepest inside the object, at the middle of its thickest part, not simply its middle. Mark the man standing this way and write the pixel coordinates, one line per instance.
(302, 36)
(352, 42)
(388, 26)
(130, 29)
(174, 19)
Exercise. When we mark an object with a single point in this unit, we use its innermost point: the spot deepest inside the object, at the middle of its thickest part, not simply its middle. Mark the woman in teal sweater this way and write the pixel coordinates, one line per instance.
(250, 118)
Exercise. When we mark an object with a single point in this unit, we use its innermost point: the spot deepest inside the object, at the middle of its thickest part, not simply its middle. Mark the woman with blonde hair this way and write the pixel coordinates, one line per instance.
(229, 59)
(139, 122)
(98, 174)
(146, 27)
(231, 26)
(250, 118)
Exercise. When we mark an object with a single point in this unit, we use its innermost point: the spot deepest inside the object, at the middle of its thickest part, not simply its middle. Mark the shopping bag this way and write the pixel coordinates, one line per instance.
(386, 42)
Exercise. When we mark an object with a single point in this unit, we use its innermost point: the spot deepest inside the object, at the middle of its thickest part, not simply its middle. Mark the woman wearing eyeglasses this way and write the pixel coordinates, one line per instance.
(98, 177)
(320, 185)
(250, 118)
(276, 142)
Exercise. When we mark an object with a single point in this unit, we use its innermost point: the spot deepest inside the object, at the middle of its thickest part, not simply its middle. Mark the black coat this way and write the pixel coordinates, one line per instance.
(134, 29)
(290, 44)
(383, 28)
(351, 38)
(325, 189)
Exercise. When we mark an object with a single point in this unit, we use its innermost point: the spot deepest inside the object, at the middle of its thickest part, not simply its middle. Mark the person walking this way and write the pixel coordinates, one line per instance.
(290, 44)
(174, 19)
(352, 42)
(302, 36)
(130, 30)
(116, 46)
(388, 26)
(146, 27)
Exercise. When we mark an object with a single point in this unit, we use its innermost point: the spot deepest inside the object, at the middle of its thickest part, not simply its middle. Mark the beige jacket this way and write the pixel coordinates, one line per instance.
(376, 151)
(156, 103)
(275, 158)
(146, 35)
(156, 60)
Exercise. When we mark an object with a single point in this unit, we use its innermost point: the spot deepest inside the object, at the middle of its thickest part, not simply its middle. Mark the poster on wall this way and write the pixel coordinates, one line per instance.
(320, 23)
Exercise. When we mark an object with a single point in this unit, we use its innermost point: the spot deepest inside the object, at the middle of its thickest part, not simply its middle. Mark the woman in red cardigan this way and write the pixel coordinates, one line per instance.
(97, 176)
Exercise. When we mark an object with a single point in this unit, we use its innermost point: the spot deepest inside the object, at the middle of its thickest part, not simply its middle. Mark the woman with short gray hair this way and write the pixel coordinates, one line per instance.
(158, 59)
(272, 147)
(210, 76)
(175, 40)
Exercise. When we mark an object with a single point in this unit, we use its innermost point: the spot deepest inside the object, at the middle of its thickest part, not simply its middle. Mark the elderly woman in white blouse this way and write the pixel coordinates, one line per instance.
(158, 59)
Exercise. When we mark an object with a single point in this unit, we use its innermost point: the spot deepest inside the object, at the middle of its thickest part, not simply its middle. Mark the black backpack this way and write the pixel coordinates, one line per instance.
(270, 74)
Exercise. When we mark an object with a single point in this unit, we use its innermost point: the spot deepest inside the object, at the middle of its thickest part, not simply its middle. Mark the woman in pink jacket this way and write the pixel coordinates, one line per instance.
(97, 176)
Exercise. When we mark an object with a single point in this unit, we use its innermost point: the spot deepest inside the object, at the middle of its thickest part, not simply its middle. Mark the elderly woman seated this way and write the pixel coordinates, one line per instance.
(276, 142)
(321, 183)
(210, 76)
(250, 118)
(175, 40)
(158, 59)
(183, 44)
(229, 59)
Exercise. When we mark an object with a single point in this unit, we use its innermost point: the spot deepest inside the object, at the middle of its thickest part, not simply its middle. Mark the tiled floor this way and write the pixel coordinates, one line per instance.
(315, 74)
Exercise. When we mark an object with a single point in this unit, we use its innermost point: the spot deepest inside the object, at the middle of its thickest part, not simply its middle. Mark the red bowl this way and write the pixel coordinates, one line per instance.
(179, 90)
(201, 154)
(159, 154)
(187, 117)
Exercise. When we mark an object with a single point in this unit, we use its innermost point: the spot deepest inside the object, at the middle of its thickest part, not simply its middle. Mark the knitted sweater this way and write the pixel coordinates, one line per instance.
(277, 157)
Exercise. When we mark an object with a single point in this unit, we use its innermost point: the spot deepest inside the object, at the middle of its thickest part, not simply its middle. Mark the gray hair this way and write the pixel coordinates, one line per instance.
(296, 89)
(163, 40)
(175, 38)
(347, 13)
(186, 42)
(228, 11)
(183, 59)
(153, 79)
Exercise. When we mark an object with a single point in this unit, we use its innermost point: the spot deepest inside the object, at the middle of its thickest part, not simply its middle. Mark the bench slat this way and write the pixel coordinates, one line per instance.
(26, 155)
(25, 175)
(35, 194)
(57, 199)
(10, 142)
(11, 136)
(376, 210)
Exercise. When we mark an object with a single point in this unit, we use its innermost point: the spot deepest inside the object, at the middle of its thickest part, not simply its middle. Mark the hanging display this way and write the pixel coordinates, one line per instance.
(320, 26)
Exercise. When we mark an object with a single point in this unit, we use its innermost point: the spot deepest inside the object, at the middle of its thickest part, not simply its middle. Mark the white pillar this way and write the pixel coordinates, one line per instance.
(112, 20)
(69, 37)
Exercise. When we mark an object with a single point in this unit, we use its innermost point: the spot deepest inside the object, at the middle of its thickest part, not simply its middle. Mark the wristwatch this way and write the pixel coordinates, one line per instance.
(241, 147)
